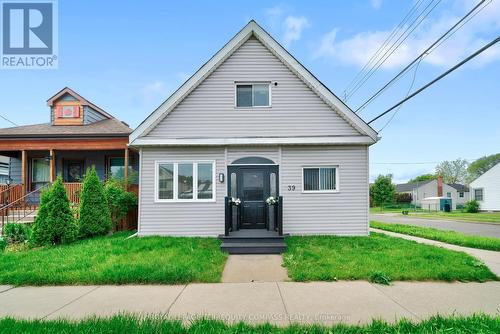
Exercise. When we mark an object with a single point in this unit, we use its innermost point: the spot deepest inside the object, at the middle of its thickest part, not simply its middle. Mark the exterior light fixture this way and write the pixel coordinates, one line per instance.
(221, 177)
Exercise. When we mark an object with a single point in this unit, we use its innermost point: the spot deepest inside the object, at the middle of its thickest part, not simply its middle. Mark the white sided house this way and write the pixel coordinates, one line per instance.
(253, 146)
(486, 189)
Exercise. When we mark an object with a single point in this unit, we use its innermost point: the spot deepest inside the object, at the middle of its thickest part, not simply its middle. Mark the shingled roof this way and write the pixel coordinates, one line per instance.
(405, 187)
(459, 187)
(106, 128)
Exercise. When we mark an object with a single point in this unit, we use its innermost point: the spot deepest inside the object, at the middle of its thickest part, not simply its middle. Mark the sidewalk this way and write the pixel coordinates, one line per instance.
(490, 258)
(276, 302)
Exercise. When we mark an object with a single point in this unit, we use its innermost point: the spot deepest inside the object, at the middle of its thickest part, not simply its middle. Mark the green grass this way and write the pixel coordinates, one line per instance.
(378, 257)
(450, 237)
(396, 209)
(129, 324)
(489, 217)
(114, 260)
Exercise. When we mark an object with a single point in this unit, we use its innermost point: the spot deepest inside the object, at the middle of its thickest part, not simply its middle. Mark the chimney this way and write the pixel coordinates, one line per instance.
(440, 186)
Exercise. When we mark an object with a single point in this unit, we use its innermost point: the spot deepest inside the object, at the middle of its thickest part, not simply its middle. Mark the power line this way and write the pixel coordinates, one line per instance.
(393, 48)
(427, 51)
(8, 120)
(386, 41)
(484, 48)
(408, 92)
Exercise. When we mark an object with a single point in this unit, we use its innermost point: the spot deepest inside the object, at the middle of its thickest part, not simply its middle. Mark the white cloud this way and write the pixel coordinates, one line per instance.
(153, 92)
(376, 4)
(290, 26)
(357, 50)
(293, 26)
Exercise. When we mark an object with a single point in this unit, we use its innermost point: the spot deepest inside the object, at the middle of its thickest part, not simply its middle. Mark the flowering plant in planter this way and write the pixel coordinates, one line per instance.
(271, 200)
(235, 201)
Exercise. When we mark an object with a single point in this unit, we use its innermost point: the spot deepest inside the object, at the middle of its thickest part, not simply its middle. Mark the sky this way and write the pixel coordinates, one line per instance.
(128, 56)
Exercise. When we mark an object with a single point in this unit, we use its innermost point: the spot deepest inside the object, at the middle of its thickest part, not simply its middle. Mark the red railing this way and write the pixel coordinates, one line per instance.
(9, 194)
(73, 189)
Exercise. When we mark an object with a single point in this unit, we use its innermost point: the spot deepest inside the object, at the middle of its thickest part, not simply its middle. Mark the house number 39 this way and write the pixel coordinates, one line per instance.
(291, 187)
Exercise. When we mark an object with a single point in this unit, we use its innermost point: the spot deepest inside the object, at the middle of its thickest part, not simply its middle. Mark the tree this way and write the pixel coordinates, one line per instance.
(95, 218)
(382, 190)
(119, 200)
(54, 223)
(423, 177)
(453, 171)
(481, 165)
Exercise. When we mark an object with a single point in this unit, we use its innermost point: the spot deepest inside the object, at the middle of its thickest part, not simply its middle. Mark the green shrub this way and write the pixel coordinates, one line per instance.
(472, 206)
(3, 244)
(54, 223)
(119, 200)
(17, 233)
(95, 218)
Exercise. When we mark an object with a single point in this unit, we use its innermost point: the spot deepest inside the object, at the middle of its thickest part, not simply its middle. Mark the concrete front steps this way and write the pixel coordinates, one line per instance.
(253, 242)
(19, 216)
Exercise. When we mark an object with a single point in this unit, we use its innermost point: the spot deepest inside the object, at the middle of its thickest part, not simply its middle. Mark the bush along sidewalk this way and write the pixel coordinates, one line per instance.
(95, 218)
(120, 201)
(54, 223)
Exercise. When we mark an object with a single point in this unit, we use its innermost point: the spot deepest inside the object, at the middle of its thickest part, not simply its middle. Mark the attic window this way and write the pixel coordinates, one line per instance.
(250, 95)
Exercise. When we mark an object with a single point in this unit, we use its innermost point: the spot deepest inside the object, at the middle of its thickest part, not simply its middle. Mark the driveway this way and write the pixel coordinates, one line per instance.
(482, 229)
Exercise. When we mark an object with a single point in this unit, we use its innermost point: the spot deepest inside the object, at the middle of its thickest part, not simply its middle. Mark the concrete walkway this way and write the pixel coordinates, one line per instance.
(279, 303)
(473, 228)
(254, 268)
(490, 258)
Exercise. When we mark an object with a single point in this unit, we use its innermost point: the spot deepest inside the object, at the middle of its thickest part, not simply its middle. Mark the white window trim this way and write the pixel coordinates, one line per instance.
(175, 181)
(238, 83)
(337, 184)
(482, 194)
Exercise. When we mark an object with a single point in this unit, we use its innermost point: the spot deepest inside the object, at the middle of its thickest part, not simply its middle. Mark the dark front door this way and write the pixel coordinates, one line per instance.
(253, 187)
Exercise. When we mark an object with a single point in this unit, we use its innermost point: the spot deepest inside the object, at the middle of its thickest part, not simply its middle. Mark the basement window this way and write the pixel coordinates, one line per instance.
(250, 95)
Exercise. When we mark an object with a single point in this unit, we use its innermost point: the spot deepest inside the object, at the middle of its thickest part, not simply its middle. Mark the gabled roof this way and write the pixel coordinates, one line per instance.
(459, 187)
(253, 29)
(405, 187)
(83, 101)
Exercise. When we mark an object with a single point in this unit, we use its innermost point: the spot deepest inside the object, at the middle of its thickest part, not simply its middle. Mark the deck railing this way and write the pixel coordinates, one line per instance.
(73, 189)
(10, 193)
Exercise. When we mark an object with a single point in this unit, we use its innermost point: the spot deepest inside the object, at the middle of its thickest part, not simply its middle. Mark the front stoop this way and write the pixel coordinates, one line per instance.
(235, 244)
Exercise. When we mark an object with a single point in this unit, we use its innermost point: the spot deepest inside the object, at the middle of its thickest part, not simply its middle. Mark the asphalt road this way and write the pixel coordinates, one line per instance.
(483, 229)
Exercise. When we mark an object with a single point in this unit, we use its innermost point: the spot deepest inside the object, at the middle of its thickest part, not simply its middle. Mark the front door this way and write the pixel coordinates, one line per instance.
(253, 187)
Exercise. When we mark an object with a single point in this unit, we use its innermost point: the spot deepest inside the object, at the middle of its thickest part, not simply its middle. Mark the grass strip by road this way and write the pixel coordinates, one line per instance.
(378, 258)
(130, 324)
(116, 260)
(450, 237)
(486, 217)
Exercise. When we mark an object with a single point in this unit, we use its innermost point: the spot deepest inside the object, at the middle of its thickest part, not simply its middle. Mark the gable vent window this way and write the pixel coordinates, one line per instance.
(253, 95)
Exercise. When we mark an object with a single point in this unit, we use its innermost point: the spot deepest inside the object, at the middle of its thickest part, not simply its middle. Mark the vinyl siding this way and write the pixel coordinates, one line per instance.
(209, 110)
(91, 116)
(490, 182)
(177, 218)
(342, 213)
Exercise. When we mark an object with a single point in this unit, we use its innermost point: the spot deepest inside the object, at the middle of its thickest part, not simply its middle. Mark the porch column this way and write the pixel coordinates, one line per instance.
(125, 175)
(52, 165)
(24, 169)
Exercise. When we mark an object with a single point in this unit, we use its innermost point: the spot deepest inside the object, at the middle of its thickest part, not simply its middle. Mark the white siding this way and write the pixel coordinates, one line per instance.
(342, 213)
(176, 218)
(209, 110)
(490, 182)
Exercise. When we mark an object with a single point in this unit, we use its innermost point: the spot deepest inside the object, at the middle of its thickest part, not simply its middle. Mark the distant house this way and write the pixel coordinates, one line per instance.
(459, 193)
(79, 134)
(486, 189)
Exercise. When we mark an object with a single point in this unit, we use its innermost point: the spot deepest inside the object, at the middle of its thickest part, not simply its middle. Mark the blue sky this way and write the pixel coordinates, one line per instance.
(128, 56)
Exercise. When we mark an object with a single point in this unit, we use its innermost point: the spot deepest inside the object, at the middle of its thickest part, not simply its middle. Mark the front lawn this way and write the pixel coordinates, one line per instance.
(378, 258)
(489, 217)
(129, 324)
(450, 237)
(116, 260)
